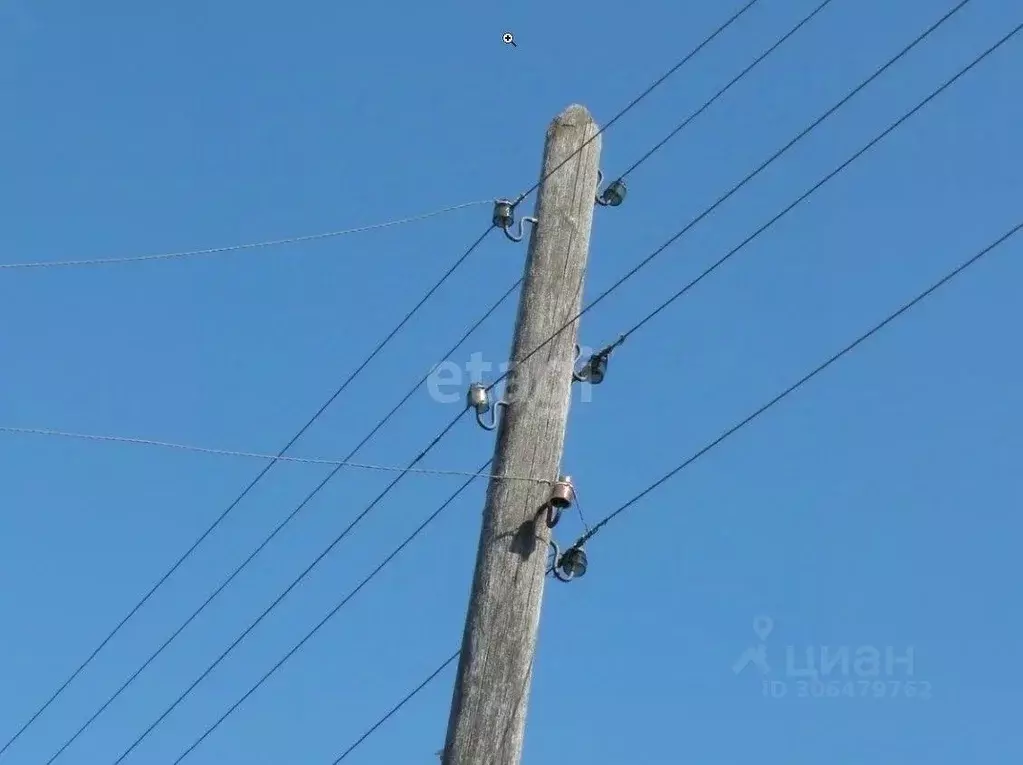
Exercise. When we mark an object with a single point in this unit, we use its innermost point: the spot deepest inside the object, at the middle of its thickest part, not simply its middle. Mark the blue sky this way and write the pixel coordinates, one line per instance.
(875, 508)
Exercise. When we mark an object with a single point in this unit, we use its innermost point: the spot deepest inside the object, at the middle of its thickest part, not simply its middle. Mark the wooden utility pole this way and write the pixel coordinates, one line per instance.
(488, 711)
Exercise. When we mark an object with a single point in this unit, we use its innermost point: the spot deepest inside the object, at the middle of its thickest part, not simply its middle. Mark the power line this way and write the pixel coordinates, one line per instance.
(525, 194)
(806, 378)
(326, 551)
(217, 522)
(447, 428)
(301, 576)
(263, 456)
(519, 199)
(394, 710)
(806, 131)
(602, 523)
(912, 111)
(149, 594)
(239, 247)
(394, 553)
(591, 531)
(685, 59)
(209, 530)
(949, 82)
(803, 380)
(813, 189)
(731, 83)
(280, 527)
(579, 509)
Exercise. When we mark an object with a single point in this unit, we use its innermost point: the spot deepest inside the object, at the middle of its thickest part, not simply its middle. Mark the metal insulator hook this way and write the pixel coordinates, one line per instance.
(492, 425)
(555, 555)
(518, 237)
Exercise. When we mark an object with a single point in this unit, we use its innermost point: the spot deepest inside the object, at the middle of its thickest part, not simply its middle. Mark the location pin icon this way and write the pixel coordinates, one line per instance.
(762, 626)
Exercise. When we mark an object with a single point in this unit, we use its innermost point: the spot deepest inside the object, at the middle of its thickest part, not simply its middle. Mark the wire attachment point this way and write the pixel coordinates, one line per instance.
(595, 369)
(504, 213)
(572, 563)
(562, 497)
(613, 195)
(569, 565)
(479, 399)
(504, 219)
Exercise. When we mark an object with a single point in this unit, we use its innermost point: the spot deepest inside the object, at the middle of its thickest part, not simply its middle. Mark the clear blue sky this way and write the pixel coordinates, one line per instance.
(877, 507)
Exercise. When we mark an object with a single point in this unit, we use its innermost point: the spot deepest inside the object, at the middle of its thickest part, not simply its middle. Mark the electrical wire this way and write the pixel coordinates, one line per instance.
(220, 519)
(802, 381)
(806, 131)
(422, 527)
(301, 576)
(579, 509)
(748, 420)
(210, 530)
(521, 197)
(239, 247)
(263, 456)
(223, 515)
(731, 83)
(280, 527)
(813, 189)
(400, 221)
(593, 530)
(305, 572)
(660, 80)
(394, 710)
(387, 224)
(877, 328)
(394, 553)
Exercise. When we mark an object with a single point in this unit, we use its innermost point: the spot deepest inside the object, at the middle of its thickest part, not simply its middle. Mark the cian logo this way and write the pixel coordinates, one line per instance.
(828, 671)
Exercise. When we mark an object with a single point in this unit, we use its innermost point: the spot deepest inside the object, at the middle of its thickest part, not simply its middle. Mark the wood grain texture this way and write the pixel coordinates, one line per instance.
(488, 710)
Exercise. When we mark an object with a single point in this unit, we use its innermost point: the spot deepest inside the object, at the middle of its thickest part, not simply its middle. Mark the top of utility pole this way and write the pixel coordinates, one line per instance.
(575, 115)
(488, 711)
